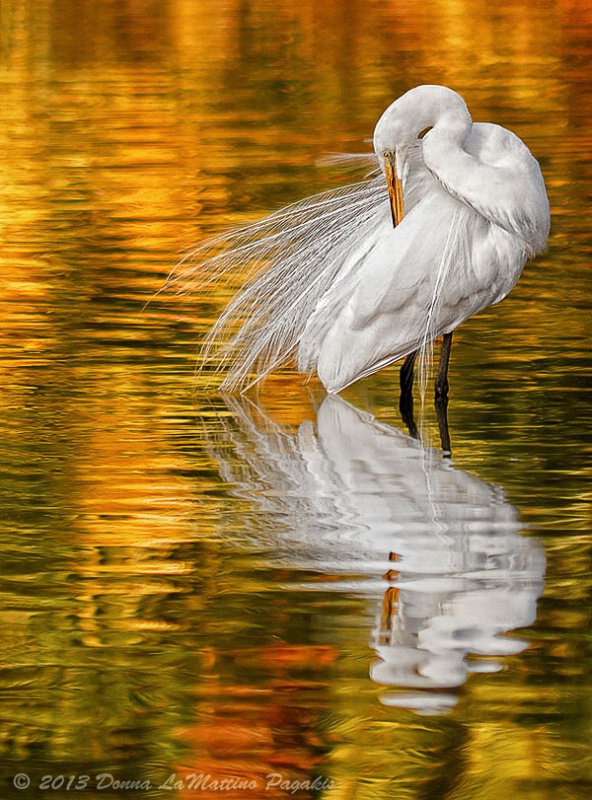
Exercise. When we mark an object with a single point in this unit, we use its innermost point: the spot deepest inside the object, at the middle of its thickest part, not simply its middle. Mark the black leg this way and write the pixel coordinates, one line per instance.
(406, 397)
(441, 390)
(442, 376)
(406, 374)
(442, 417)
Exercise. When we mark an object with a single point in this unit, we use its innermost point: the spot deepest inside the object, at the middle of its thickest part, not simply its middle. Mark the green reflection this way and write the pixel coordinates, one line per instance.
(145, 629)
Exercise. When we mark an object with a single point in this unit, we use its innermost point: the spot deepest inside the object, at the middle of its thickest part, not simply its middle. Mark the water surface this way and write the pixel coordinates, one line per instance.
(282, 585)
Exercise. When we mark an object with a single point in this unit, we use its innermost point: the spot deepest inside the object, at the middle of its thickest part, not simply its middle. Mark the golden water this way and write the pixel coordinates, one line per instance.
(194, 588)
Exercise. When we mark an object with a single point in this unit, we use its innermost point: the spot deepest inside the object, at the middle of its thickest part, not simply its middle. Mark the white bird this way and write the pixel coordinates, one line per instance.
(349, 281)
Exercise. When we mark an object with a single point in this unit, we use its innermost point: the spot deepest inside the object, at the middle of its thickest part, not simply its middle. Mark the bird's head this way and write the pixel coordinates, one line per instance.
(411, 117)
(413, 114)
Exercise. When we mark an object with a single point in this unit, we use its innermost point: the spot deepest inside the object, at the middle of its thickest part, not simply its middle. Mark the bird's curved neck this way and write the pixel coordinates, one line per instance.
(444, 153)
(453, 125)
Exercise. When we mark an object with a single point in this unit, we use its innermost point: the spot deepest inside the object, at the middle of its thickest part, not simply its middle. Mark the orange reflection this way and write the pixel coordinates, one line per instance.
(130, 131)
(248, 743)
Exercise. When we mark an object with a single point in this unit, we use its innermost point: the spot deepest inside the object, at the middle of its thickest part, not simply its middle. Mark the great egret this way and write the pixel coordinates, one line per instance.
(351, 280)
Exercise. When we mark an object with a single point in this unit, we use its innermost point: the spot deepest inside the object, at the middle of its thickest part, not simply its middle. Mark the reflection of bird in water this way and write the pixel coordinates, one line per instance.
(352, 496)
(346, 283)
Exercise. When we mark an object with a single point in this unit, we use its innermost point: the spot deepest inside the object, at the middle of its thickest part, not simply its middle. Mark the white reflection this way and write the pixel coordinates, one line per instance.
(353, 496)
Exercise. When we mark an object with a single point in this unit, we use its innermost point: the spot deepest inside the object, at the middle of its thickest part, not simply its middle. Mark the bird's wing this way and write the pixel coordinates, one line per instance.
(403, 259)
(441, 265)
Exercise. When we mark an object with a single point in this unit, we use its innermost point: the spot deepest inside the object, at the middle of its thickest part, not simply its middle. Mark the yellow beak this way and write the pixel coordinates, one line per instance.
(395, 187)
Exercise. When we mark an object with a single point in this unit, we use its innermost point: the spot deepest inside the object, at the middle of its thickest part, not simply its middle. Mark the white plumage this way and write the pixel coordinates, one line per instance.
(338, 289)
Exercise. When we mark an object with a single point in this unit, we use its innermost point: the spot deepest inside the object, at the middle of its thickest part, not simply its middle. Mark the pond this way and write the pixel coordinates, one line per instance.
(280, 594)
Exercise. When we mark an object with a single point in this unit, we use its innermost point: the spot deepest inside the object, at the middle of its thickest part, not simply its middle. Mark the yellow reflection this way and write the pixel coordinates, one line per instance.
(128, 132)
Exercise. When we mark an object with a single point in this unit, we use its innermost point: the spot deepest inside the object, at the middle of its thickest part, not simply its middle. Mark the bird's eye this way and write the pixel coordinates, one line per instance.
(422, 133)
